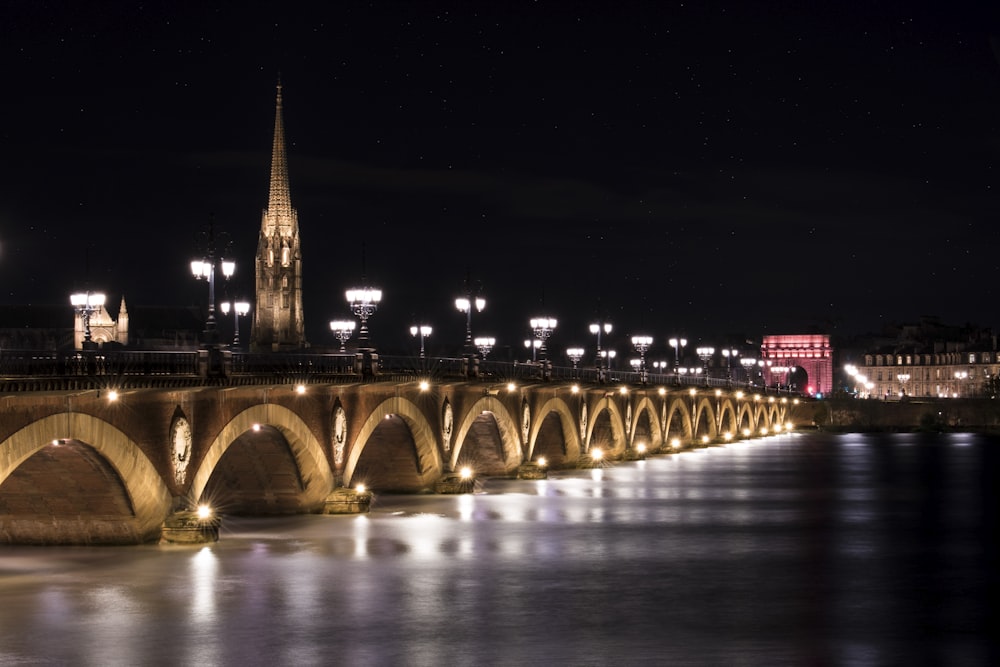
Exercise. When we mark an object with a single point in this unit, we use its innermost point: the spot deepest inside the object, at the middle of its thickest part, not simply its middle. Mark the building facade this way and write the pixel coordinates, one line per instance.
(931, 360)
(278, 322)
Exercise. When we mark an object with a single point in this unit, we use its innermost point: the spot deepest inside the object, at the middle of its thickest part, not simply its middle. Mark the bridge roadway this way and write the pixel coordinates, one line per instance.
(102, 448)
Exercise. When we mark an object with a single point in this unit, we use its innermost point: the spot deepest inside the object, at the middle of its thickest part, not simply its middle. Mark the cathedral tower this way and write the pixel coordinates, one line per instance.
(278, 322)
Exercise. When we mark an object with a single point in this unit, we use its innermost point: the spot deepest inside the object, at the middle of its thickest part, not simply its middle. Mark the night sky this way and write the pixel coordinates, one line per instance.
(717, 170)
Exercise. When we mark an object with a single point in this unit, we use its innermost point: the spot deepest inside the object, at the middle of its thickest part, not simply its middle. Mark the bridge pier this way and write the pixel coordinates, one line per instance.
(190, 527)
(347, 501)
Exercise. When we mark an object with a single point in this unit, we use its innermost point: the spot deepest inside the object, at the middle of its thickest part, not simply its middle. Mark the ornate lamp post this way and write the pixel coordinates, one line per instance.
(903, 379)
(484, 344)
(533, 345)
(678, 345)
(705, 353)
(422, 330)
(239, 308)
(363, 302)
(465, 304)
(542, 327)
(342, 330)
(597, 328)
(86, 304)
(609, 355)
(575, 354)
(641, 344)
(204, 269)
(748, 364)
(730, 354)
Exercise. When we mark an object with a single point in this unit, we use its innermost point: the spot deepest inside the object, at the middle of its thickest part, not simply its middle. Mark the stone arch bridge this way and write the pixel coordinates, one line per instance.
(81, 463)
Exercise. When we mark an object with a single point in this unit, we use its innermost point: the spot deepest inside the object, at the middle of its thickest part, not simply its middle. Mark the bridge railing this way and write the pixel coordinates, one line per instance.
(32, 370)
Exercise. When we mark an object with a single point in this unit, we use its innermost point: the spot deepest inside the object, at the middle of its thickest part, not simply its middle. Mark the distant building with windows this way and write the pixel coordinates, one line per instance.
(931, 359)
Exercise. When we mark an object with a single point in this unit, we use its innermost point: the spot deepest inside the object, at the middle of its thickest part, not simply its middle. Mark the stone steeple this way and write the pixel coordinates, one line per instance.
(278, 320)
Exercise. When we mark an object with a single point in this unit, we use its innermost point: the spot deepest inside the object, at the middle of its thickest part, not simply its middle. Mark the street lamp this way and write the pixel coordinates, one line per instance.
(484, 344)
(678, 345)
(660, 366)
(903, 379)
(729, 354)
(86, 304)
(597, 328)
(465, 305)
(959, 377)
(533, 345)
(423, 331)
(342, 330)
(363, 302)
(542, 327)
(609, 355)
(705, 353)
(575, 354)
(748, 364)
(641, 344)
(205, 269)
(239, 309)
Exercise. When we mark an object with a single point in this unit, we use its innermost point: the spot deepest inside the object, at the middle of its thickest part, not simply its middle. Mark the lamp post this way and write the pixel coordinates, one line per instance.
(465, 304)
(484, 344)
(204, 269)
(423, 331)
(705, 353)
(729, 354)
(575, 354)
(960, 376)
(641, 344)
(533, 345)
(597, 328)
(342, 330)
(542, 327)
(239, 309)
(903, 379)
(748, 363)
(86, 304)
(363, 302)
(609, 355)
(678, 345)
(660, 367)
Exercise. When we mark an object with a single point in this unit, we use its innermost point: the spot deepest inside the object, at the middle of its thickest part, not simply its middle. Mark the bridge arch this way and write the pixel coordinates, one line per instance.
(568, 422)
(424, 438)
(314, 468)
(646, 408)
(506, 424)
(679, 408)
(149, 496)
(616, 422)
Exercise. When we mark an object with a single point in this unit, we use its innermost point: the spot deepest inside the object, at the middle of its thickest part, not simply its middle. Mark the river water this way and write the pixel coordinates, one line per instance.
(801, 549)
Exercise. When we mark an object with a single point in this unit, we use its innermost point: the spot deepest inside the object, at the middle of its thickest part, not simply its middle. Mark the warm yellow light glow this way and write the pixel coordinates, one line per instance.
(641, 448)
(204, 512)
(511, 386)
(746, 433)
(424, 385)
(542, 461)
(575, 389)
(704, 439)
(360, 488)
(788, 426)
(300, 389)
(596, 454)
(693, 392)
(676, 443)
(739, 395)
(112, 395)
(255, 427)
(623, 390)
(763, 430)
(466, 472)
(777, 428)
(727, 435)
(661, 391)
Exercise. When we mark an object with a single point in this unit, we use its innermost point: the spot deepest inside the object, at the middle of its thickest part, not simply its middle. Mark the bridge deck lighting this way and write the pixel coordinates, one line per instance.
(112, 396)
(704, 439)
(424, 385)
(465, 472)
(542, 461)
(641, 448)
(596, 454)
(205, 512)
(360, 488)
(300, 389)
(747, 432)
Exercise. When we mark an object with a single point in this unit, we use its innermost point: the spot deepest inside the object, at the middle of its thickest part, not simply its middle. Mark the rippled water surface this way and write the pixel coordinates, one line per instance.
(805, 549)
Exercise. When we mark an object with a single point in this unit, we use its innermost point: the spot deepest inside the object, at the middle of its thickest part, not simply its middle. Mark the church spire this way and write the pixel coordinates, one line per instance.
(278, 322)
(279, 202)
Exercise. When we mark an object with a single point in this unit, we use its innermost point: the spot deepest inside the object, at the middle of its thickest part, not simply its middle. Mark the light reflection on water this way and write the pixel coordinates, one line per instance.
(796, 550)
